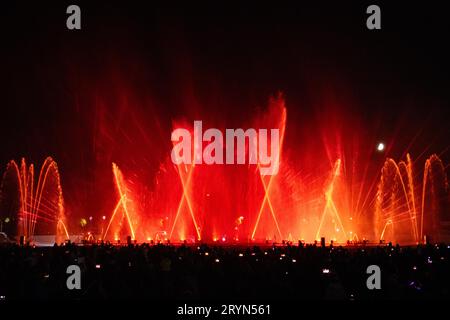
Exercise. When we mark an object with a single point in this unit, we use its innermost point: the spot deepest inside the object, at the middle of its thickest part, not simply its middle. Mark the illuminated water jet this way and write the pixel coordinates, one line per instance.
(267, 186)
(39, 205)
(435, 202)
(330, 206)
(124, 203)
(396, 213)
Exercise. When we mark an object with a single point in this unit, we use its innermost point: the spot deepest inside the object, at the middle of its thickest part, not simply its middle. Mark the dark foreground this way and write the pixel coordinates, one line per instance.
(202, 272)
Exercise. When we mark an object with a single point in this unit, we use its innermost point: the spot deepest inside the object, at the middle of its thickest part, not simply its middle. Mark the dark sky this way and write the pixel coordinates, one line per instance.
(87, 97)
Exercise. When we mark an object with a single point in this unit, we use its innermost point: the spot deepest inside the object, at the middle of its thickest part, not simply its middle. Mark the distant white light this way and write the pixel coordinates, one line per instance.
(380, 146)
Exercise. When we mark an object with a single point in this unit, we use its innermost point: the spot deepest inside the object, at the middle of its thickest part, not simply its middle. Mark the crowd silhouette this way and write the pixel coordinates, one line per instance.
(144, 271)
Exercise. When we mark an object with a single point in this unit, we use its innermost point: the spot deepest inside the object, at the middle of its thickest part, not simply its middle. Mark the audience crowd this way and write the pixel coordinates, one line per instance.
(145, 271)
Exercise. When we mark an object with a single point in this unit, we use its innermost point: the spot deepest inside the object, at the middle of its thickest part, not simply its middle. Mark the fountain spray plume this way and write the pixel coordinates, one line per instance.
(124, 205)
(330, 206)
(267, 185)
(39, 202)
(396, 212)
(435, 197)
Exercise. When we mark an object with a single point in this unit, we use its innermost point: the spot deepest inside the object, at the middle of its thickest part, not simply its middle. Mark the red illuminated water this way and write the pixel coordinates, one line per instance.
(337, 200)
(37, 200)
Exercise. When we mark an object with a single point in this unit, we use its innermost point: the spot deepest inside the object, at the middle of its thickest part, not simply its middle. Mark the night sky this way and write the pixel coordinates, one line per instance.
(110, 91)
